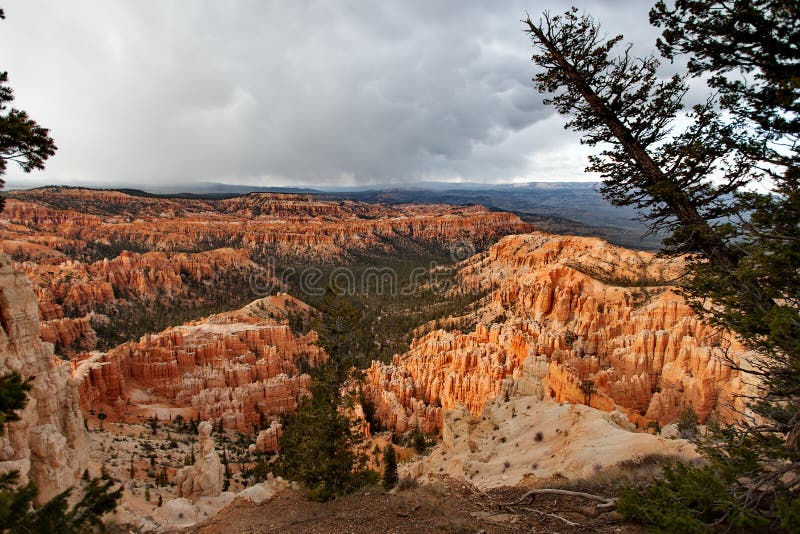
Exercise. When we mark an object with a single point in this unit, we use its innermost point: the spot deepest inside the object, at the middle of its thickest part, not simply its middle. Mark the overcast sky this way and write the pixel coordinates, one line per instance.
(289, 92)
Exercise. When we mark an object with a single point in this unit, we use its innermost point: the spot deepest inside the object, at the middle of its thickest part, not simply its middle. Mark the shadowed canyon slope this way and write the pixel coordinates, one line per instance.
(582, 320)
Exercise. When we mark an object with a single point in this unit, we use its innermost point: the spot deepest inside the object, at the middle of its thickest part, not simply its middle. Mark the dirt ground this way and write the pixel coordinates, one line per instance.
(444, 506)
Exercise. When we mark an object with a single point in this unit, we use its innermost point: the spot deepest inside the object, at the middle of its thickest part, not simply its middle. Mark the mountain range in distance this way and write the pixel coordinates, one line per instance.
(575, 208)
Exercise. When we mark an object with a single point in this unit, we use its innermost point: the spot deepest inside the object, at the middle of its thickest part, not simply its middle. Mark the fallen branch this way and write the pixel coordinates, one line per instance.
(554, 516)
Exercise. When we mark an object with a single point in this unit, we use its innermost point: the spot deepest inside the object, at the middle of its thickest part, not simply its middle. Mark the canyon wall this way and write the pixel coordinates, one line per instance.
(141, 260)
(48, 443)
(597, 324)
(75, 288)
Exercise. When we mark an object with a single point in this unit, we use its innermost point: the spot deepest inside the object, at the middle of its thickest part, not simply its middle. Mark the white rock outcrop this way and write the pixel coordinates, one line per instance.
(48, 444)
(204, 478)
(265, 491)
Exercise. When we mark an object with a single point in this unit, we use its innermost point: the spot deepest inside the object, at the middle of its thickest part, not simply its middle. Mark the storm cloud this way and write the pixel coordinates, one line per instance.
(285, 93)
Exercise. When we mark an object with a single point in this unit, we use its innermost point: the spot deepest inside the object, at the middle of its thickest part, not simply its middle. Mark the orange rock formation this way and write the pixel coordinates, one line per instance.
(577, 309)
(79, 287)
(102, 251)
(69, 336)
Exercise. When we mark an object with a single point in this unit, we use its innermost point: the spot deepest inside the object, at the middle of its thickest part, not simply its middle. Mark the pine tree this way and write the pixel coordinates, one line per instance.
(588, 388)
(13, 397)
(162, 479)
(389, 467)
(695, 186)
(22, 140)
(321, 446)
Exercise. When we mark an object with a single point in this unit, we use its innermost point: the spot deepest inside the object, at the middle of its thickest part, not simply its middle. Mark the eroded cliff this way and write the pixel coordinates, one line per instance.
(237, 368)
(48, 444)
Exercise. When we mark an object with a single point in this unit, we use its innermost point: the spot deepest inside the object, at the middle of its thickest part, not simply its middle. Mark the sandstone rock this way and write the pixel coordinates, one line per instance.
(265, 491)
(297, 226)
(235, 367)
(69, 336)
(130, 277)
(527, 441)
(183, 513)
(205, 477)
(48, 444)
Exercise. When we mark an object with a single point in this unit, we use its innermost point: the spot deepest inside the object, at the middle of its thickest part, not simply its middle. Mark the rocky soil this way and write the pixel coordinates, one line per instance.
(446, 505)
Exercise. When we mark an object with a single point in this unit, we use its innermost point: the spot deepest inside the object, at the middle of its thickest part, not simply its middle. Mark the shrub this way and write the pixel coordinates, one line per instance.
(407, 483)
(687, 424)
(389, 467)
(686, 499)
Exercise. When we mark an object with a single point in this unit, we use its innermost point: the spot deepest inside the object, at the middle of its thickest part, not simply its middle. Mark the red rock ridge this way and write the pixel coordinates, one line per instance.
(80, 287)
(69, 336)
(72, 221)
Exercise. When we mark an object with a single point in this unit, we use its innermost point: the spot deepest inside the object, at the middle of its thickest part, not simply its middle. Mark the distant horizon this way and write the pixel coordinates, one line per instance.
(224, 187)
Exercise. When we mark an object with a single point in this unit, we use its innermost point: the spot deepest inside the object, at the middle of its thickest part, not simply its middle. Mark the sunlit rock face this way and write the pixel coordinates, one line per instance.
(229, 368)
(48, 443)
(577, 310)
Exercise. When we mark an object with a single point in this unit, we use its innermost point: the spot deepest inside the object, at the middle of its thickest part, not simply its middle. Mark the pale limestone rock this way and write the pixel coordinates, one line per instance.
(183, 513)
(670, 431)
(268, 439)
(266, 490)
(48, 445)
(204, 478)
(503, 446)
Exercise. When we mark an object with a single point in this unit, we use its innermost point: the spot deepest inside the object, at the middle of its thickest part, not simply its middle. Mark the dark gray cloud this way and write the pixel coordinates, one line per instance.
(281, 93)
